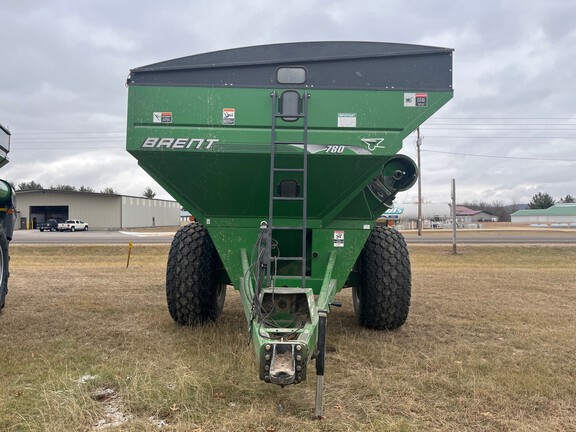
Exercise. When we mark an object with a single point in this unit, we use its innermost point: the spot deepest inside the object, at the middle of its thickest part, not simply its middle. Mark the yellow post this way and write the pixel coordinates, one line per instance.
(129, 251)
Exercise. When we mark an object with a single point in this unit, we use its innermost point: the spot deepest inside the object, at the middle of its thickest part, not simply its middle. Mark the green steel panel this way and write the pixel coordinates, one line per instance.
(222, 170)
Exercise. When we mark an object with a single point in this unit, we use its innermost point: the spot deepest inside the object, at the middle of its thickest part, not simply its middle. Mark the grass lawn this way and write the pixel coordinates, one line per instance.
(88, 344)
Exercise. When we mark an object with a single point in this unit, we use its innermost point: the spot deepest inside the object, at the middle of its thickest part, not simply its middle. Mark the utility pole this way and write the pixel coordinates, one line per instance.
(418, 144)
(453, 216)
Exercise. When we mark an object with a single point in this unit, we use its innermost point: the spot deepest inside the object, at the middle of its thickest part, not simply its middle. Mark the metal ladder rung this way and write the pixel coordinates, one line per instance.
(288, 198)
(287, 258)
(288, 228)
(288, 169)
(289, 142)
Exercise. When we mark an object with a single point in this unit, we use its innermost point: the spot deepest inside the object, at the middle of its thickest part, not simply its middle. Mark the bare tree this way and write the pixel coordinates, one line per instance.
(63, 187)
(109, 190)
(148, 193)
(31, 185)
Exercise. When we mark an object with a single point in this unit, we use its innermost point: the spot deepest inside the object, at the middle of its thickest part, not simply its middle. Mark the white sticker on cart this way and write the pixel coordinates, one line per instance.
(347, 120)
(338, 238)
(228, 116)
(415, 99)
(162, 117)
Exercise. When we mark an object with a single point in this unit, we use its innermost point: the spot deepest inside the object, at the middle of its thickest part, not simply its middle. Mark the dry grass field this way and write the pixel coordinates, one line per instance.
(87, 344)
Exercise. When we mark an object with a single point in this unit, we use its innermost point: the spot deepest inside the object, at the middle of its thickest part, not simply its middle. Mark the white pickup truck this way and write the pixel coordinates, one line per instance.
(73, 225)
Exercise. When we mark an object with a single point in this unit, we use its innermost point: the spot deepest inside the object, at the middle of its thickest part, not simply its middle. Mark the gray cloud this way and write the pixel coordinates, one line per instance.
(64, 65)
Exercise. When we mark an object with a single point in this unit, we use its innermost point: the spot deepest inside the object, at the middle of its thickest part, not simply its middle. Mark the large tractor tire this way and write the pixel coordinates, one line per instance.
(4, 273)
(192, 290)
(382, 300)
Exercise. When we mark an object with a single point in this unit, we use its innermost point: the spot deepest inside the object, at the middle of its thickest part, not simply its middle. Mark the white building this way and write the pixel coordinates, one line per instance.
(558, 213)
(99, 210)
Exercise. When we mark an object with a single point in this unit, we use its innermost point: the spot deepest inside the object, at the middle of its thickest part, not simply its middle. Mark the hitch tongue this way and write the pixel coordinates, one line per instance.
(282, 366)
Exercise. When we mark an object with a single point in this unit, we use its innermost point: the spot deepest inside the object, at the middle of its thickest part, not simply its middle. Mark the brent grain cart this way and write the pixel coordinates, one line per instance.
(286, 154)
(7, 216)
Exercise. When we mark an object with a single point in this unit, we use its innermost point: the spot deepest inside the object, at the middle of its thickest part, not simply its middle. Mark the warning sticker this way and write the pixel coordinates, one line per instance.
(162, 117)
(415, 99)
(338, 238)
(347, 120)
(228, 116)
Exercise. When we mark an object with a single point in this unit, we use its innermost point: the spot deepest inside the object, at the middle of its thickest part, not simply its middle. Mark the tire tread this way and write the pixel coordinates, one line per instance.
(191, 276)
(386, 280)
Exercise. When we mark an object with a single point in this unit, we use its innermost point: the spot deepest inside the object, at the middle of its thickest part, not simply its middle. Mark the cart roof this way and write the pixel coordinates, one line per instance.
(342, 65)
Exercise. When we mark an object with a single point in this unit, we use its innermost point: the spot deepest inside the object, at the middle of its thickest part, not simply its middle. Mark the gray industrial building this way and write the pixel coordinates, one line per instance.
(99, 210)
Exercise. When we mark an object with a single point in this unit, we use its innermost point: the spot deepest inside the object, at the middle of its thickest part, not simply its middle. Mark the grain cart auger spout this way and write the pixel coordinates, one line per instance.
(286, 154)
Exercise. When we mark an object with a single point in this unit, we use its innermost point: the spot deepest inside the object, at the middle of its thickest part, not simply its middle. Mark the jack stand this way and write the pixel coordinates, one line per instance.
(320, 359)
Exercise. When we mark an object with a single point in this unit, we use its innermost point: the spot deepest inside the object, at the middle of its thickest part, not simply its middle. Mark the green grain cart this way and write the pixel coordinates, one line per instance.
(286, 154)
(7, 216)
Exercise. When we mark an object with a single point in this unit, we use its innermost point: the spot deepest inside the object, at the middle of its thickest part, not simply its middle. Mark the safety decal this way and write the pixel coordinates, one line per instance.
(346, 120)
(415, 99)
(228, 116)
(338, 238)
(162, 117)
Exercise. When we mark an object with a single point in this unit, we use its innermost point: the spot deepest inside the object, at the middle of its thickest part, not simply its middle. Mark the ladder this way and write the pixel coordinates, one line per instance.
(298, 198)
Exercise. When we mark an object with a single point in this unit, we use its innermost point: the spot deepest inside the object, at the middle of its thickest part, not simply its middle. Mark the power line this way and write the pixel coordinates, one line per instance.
(65, 133)
(77, 140)
(71, 141)
(499, 137)
(435, 122)
(482, 129)
(500, 157)
(12, 149)
(504, 118)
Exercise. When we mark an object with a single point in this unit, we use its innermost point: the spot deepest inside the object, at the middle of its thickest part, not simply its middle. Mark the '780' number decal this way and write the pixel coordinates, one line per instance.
(335, 149)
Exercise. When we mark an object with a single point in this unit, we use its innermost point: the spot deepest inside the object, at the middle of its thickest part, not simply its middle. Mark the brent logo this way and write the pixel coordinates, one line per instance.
(179, 143)
(373, 143)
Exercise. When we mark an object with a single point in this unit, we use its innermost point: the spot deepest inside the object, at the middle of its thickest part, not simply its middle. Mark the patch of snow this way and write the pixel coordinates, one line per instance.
(85, 378)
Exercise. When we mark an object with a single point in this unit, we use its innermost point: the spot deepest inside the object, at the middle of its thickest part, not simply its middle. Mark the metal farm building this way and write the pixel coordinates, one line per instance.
(99, 210)
(558, 213)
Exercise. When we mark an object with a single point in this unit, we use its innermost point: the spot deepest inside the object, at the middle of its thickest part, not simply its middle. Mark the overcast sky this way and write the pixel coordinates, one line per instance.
(509, 132)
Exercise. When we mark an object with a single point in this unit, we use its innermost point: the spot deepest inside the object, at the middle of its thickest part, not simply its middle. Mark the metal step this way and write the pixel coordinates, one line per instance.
(280, 258)
(288, 169)
(277, 198)
(288, 228)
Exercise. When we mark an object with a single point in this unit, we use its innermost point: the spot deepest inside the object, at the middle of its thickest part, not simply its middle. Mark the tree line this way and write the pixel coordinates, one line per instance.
(32, 185)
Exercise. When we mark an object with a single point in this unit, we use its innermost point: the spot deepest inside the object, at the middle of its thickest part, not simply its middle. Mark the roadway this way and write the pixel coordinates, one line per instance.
(160, 236)
(497, 236)
(92, 237)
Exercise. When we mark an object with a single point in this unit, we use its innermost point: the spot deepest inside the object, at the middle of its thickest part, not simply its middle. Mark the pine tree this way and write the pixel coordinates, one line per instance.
(541, 201)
